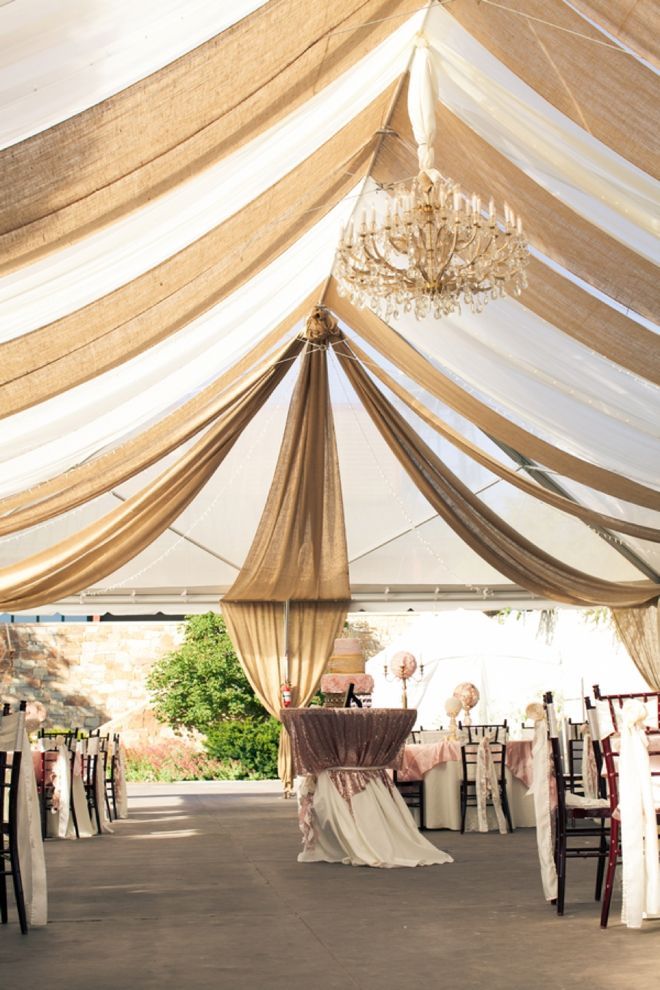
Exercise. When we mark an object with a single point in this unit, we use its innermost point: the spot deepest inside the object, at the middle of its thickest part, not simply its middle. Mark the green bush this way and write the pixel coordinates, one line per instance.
(251, 744)
(202, 682)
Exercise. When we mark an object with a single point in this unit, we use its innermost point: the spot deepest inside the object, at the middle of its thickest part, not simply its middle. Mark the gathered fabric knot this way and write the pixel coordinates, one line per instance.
(321, 325)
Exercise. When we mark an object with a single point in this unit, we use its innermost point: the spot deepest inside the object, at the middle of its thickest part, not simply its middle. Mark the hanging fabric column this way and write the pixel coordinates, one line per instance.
(298, 554)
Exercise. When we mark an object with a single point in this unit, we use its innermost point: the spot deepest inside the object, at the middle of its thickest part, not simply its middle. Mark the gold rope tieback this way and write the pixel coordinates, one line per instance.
(321, 325)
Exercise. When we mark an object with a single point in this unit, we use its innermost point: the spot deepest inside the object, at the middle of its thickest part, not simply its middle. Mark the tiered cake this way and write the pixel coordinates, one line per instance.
(345, 667)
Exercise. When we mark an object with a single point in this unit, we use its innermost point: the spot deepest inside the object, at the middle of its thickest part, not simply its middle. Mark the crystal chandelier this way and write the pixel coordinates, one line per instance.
(432, 247)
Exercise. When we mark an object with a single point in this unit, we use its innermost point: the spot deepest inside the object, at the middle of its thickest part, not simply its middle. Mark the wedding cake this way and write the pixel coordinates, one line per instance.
(345, 667)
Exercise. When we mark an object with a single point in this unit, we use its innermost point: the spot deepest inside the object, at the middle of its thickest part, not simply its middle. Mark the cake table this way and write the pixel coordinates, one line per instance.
(349, 810)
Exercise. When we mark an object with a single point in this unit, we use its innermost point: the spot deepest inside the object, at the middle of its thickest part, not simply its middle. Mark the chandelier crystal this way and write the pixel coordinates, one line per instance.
(432, 249)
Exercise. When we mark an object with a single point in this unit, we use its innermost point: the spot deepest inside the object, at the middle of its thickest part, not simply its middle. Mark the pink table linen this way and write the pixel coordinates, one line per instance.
(419, 758)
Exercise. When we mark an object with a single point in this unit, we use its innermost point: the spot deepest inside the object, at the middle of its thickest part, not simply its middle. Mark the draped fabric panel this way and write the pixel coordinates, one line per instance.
(513, 477)
(96, 551)
(639, 631)
(636, 23)
(257, 631)
(298, 554)
(180, 119)
(481, 528)
(46, 73)
(601, 89)
(392, 346)
(553, 150)
(102, 473)
(591, 322)
(104, 260)
(551, 226)
(46, 439)
(124, 323)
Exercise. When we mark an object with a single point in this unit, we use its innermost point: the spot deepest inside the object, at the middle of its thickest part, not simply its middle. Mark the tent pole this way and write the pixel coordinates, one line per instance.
(286, 641)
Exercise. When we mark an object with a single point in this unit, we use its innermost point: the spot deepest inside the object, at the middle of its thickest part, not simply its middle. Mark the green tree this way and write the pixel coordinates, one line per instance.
(202, 682)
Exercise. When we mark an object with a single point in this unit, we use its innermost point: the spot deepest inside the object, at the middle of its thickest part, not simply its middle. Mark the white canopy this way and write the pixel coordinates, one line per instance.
(173, 181)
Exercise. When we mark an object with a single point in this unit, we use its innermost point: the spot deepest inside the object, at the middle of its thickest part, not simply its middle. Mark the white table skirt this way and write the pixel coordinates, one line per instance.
(380, 831)
(442, 786)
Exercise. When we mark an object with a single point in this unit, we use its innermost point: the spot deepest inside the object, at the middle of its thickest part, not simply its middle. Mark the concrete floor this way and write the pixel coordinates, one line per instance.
(200, 888)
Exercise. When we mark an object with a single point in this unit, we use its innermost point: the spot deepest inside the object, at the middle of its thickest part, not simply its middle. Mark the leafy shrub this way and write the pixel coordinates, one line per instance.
(171, 761)
(251, 744)
(202, 682)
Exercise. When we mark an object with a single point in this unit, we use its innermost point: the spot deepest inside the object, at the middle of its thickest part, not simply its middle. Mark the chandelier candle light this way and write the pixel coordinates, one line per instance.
(433, 247)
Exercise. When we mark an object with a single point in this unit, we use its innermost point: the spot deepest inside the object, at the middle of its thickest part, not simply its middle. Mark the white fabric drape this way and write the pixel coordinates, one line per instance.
(540, 790)
(558, 154)
(71, 427)
(59, 58)
(70, 278)
(599, 430)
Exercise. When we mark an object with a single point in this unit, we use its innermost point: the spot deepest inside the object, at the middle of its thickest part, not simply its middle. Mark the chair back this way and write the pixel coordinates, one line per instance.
(650, 698)
(469, 757)
(497, 732)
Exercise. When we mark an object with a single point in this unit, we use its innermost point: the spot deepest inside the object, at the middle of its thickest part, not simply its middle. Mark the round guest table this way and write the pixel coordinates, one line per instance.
(349, 810)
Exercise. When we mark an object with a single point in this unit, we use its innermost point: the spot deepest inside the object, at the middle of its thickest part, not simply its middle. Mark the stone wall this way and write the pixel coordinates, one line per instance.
(85, 674)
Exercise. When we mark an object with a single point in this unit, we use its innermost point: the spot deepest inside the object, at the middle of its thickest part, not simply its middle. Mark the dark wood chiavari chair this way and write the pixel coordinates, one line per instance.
(610, 759)
(10, 770)
(498, 734)
(412, 792)
(573, 818)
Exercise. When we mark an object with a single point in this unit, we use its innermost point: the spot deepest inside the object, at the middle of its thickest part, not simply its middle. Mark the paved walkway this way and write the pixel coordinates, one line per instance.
(200, 888)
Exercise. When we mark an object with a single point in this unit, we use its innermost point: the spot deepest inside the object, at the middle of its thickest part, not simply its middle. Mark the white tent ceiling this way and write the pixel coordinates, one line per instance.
(81, 266)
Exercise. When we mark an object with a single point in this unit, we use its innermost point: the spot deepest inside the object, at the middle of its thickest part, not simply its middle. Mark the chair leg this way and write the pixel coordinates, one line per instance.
(422, 808)
(3, 889)
(611, 870)
(463, 806)
(505, 805)
(16, 877)
(561, 866)
(602, 856)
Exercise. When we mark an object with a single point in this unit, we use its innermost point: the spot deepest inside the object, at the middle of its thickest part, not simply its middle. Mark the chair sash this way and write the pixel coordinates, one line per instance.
(488, 785)
(639, 833)
(540, 789)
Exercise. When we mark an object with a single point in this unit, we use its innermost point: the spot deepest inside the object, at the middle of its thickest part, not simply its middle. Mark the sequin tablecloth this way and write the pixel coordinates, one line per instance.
(325, 738)
(349, 811)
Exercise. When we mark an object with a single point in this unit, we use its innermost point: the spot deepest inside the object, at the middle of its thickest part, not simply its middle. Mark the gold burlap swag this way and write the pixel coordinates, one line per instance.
(481, 528)
(104, 546)
(159, 302)
(606, 92)
(298, 555)
(639, 631)
(404, 356)
(99, 475)
(507, 474)
(176, 122)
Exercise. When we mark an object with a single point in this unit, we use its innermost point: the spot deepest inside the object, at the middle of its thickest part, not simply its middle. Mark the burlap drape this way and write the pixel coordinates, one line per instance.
(639, 631)
(601, 89)
(481, 528)
(179, 120)
(396, 349)
(591, 321)
(164, 299)
(298, 554)
(102, 473)
(552, 227)
(105, 545)
(507, 474)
